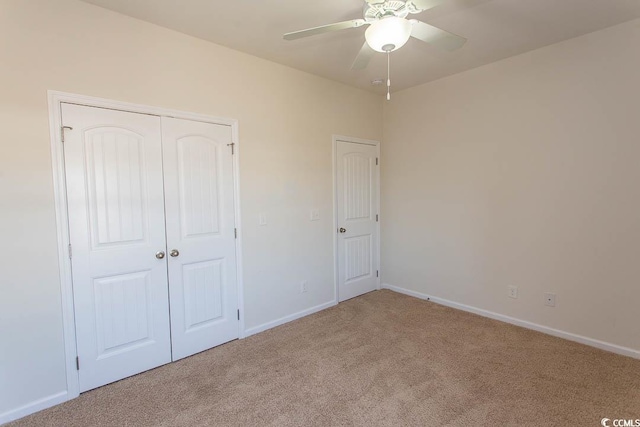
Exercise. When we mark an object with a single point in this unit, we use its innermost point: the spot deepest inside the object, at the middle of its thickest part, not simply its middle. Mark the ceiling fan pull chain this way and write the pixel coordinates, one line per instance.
(388, 76)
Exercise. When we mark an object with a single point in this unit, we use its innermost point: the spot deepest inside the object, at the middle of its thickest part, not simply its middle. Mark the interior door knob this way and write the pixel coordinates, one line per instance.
(174, 253)
(160, 254)
(343, 230)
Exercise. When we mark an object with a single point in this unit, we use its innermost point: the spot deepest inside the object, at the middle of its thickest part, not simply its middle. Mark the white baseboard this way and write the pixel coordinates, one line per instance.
(287, 319)
(613, 348)
(38, 405)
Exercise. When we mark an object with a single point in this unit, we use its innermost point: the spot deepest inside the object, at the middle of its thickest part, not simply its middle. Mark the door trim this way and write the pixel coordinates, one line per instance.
(352, 140)
(55, 100)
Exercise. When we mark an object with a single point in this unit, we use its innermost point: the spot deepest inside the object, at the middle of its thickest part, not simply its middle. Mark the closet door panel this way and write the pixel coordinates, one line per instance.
(198, 177)
(113, 163)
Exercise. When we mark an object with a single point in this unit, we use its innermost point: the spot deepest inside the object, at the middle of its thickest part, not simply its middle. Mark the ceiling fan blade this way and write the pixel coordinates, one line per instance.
(435, 36)
(423, 5)
(363, 58)
(354, 23)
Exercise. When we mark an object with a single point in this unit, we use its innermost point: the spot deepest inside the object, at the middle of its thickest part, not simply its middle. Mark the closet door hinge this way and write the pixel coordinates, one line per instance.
(376, 161)
(376, 217)
(377, 273)
(62, 129)
(77, 363)
(232, 145)
(70, 251)
(238, 314)
(235, 233)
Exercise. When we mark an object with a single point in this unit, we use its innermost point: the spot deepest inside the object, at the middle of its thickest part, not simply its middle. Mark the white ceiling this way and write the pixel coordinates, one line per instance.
(496, 29)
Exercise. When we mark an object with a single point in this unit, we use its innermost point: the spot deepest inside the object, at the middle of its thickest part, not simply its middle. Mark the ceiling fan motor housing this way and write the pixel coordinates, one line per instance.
(381, 10)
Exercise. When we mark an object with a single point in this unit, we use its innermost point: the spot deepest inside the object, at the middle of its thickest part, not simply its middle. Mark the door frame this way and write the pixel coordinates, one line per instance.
(56, 99)
(351, 140)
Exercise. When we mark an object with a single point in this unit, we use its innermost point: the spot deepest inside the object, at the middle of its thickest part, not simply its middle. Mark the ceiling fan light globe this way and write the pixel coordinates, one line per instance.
(391, 31)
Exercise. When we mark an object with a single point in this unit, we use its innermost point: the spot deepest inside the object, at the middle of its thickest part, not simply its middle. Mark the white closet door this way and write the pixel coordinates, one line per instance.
(357, 201)
(200, 235)
(113, 163)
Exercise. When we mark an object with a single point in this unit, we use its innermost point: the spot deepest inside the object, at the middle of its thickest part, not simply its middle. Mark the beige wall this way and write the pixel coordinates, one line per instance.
(286, 121)
(525, 172)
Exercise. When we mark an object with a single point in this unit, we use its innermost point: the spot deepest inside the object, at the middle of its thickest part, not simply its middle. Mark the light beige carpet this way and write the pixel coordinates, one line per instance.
(383, 359)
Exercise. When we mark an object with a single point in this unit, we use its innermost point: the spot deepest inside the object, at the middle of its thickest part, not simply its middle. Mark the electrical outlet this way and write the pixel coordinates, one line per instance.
(513, 292)
(550, 299)
(304, 286)
(314, 215)
(262, 219)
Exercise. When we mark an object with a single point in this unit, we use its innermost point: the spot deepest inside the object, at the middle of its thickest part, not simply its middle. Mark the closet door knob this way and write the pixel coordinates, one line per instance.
(343, 230)
(174, 253)
(160, 254)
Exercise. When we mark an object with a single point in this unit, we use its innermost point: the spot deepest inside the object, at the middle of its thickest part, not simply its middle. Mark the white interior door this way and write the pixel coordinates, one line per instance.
(357, 210)
(113, 162)
(200, 235)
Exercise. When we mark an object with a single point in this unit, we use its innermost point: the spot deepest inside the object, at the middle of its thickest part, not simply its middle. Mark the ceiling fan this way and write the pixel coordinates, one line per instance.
(389, 29)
